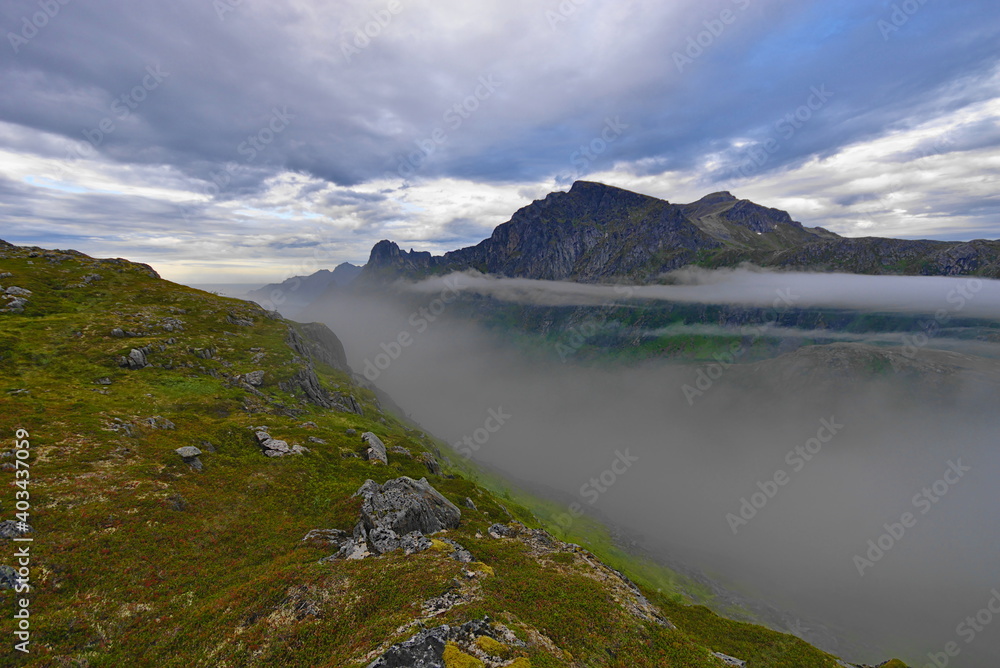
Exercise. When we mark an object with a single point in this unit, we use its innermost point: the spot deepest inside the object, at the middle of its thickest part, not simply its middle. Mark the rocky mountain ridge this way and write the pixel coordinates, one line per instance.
(600, 233)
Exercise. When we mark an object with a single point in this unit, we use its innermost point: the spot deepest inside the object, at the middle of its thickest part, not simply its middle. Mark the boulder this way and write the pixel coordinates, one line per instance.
(376, 448)
(190, 454)
(255, 378)
(18, 292)
(136, 359)
(405, 505)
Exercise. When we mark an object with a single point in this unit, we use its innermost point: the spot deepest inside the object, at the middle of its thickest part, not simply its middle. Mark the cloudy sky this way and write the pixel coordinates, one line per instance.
(252, 140)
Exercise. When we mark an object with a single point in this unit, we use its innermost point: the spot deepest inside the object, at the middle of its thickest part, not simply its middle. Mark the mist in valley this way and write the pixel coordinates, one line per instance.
(769, 479)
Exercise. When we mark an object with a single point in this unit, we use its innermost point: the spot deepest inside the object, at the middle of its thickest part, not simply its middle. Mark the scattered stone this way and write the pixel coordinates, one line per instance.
(8, 577)
(329, 537)
(273, 447)
(203, 353)
(376, 448)
(400, 450)
(431, 462)
(15, 305)
(501, 531)
(157, 422)
(18, 292)
(730, 661)
(103, 381)
(459, 553)
(309, 425)
(177, 502)
(208, 446)
(189, 454)
(11, 529)
(469, 503)
(121, 425)
(136, 360)
(351, 432)
(6, 274)
(255, 378)
(316, 439)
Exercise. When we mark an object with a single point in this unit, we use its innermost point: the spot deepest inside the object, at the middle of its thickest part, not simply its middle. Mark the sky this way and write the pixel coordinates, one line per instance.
(249, 141)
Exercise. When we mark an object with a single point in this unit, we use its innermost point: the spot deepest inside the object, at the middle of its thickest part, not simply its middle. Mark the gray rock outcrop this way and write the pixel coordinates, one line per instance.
(136, 359)
(398, 515)
(405, 505)
(376, 448)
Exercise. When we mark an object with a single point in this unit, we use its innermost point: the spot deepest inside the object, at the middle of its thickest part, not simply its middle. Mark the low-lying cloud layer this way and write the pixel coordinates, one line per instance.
(775, 484)
(965, 296)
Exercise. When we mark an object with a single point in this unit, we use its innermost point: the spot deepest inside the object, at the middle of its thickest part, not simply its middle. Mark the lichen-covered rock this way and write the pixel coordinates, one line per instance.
(254, 378)
(11, 529)
(405, 505)
(8, 577)
(424, 650)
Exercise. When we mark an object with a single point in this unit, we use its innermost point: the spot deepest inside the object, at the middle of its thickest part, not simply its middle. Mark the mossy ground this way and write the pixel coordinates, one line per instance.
(138, 560)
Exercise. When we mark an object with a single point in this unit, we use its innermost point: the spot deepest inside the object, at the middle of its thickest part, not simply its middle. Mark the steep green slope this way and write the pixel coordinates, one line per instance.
(137, 558)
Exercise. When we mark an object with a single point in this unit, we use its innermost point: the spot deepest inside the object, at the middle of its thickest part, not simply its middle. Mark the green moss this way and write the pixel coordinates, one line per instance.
(456, 658)
(493, 647)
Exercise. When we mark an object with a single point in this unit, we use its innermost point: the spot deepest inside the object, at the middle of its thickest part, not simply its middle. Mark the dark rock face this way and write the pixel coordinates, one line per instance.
(597, 232)
(319, 344)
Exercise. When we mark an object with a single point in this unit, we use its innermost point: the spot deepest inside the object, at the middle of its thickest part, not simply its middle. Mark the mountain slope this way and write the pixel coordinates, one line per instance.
(597, 232)
(166, 531)
(292, 294)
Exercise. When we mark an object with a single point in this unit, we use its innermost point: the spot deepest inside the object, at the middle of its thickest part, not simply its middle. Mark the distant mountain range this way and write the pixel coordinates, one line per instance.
(600, 233)
(293, 294)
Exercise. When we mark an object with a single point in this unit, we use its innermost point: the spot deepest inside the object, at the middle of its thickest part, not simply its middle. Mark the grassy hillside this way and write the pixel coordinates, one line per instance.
(138, 559)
